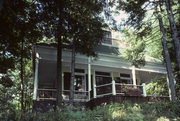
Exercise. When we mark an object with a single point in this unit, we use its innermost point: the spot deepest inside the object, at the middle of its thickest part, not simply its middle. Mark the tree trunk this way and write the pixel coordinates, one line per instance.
(59, 72)
(22, 75)
(170, 79)
(59, 54)
(71, 98)
(174, 32)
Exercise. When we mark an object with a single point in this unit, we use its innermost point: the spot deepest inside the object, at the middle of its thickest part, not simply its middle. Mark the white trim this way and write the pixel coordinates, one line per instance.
(35, 93)
(103, 95)
(134, 75)
(94, 84)
(89, 76)
(103, 85)
(144, 89)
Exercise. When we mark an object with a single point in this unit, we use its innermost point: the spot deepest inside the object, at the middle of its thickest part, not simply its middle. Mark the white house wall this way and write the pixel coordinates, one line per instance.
(103, 61)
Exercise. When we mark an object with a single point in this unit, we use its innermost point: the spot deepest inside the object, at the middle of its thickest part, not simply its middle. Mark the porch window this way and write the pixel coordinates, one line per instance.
(103, 78)
(125, 78)
(79, 82)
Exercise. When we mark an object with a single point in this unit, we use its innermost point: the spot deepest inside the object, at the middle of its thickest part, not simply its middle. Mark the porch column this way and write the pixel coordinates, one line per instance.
(36, 77)
(134, 75)
(113, 87)
(89, 77)
(94, 85)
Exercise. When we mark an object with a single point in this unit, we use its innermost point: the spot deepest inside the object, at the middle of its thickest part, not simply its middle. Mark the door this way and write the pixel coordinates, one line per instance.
(80, 87)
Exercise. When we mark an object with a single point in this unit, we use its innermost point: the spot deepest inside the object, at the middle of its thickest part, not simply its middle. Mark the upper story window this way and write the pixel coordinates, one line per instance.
(107, 39)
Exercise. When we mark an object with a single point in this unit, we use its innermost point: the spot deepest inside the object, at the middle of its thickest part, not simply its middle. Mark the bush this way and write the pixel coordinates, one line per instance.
(157, 87)
(162, 111)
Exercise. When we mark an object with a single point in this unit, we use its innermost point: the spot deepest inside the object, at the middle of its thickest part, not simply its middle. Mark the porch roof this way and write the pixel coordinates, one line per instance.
(102, 49)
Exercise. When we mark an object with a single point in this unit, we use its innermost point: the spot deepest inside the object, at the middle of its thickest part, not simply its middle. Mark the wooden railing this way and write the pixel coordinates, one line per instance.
(78, 95)
(46, 94)
(119, 89)
(112, 88)
(51, 94)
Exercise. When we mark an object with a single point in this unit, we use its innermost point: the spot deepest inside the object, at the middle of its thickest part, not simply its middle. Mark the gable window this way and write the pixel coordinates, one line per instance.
(107, 39)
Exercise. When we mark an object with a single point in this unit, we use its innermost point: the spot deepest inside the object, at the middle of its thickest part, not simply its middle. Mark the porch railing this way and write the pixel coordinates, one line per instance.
(51, 94)
(78, 95)
(112, 88)
(46, 94)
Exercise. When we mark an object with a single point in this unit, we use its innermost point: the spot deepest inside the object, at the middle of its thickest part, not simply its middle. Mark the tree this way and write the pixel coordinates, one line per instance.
(137, 13)
(71, 20)
(18, 32)
(174, 31)
(170, 80)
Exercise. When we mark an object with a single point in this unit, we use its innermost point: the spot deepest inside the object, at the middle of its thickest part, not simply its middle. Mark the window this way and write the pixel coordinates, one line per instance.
(107, 39)
(125, 75)
(79, 82)
(103, 78)
(125, 78)
(79, 70)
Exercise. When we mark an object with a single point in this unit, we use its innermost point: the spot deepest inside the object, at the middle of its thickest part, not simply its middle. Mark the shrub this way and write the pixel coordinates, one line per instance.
(157, 87)
(161, 111)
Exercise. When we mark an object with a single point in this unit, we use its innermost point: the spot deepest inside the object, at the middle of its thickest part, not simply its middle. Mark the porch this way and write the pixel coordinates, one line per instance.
(108, 77)
(99, 96)
(113, 88)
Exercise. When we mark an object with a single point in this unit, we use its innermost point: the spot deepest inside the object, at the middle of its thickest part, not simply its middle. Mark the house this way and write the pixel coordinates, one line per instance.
(95, 78)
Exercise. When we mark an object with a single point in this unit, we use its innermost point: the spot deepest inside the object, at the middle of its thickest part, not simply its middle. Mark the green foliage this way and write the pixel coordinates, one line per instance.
(75, 22)
(135, 53)
(6, 81)
(7, 94)
(160, 111)
(158, 88)
(18, 25)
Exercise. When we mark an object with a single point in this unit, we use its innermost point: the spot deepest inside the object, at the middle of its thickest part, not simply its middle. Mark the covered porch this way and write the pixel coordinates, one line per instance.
(92, 81)
(95, 78)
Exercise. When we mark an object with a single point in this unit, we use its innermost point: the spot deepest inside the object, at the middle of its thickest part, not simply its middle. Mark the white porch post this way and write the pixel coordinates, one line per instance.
(94, 85)
(113, 87)
(144, 89)
(89, 77)
(36, 77)
(134, 75)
